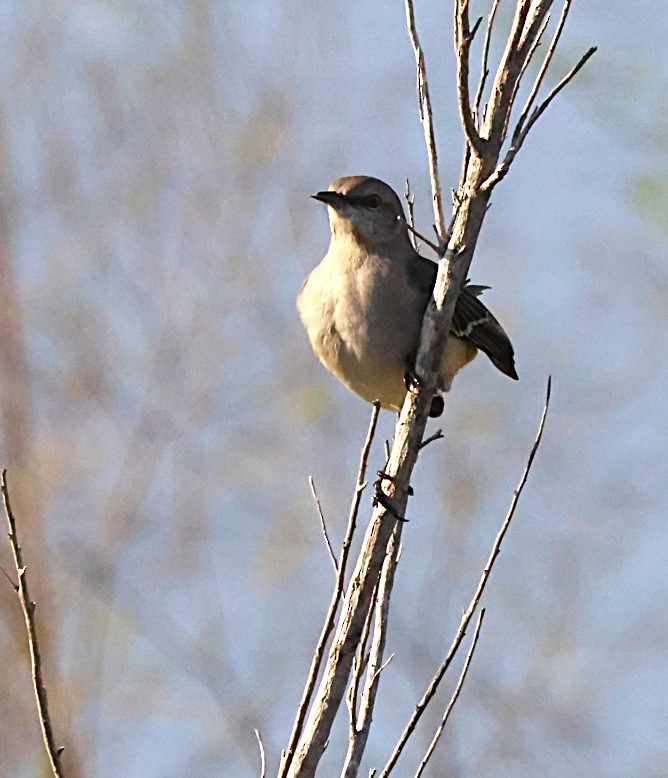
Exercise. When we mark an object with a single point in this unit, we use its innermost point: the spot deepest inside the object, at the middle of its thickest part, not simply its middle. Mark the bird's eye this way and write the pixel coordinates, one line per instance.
(373, 201)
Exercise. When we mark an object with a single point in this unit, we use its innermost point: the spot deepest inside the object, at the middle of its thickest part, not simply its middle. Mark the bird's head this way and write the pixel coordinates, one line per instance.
(366, 210)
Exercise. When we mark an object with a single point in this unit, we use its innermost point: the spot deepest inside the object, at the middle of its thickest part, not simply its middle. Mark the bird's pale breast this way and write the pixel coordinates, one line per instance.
(361, 321)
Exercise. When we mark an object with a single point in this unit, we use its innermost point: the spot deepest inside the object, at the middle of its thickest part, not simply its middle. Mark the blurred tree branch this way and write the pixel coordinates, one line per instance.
(481, 171)
(28, 607)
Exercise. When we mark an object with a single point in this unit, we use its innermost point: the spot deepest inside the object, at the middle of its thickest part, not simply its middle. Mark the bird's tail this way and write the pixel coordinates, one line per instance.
(473, 322)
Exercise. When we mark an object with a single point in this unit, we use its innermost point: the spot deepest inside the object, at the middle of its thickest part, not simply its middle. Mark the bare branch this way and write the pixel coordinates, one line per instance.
(453, 699)
(28, 607)
(359, 666)
(328, 626)
(475, 600)
(525, 65)
(360, 734)
(438, 435)
(323, 526)
(463, 39)
(538, 112)
(484, 69)
(383, 666)
(521, 36)
(263, 760)
(543, 69)
(11, 583)
(427, 122)
(410, 204)
(419, 235)
(502, 170)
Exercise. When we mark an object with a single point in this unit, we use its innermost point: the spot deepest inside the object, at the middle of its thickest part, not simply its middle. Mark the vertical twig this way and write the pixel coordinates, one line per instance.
(410, 204)
(323, 525)
(263, 759)
(28, 607)
(427, 120)
(546, 64)
(359, 666)
(463, 39)
(525, 65)
(484, 69)
(360, 734)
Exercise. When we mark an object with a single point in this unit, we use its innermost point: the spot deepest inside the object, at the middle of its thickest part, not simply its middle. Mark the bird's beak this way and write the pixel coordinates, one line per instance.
(334, 199)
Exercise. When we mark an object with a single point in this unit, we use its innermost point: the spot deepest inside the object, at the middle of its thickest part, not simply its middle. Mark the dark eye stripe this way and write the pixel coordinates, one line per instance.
(366, 201)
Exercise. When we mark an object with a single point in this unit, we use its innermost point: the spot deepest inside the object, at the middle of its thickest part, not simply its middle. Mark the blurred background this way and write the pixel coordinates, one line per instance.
(162, 411)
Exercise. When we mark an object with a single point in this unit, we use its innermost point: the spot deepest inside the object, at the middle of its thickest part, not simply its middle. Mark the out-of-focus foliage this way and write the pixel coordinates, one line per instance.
(161, 409)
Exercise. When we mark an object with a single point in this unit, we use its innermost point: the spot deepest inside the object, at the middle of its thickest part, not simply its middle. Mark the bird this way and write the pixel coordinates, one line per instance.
(362, 305)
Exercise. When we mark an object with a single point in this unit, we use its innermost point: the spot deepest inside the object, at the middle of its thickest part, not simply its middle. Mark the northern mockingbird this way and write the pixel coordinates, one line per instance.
(362, 306)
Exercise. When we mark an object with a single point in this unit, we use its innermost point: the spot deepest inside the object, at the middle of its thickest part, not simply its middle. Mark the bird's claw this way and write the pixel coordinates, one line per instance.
(380, 498)
(413, 382)
(383, 476)
(411, 379)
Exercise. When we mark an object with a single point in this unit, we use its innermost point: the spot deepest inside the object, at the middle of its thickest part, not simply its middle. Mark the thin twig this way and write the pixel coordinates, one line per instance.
(543, 68)
(28, 606)
(323, 526)
(263, 760)
(328, 625)
(475, 600)
(453, 699)
(500, 103)
(463, 39)
(360, 734)
(518, 139)
(438, 435)
(419, 235)
(538, 112)
(383, 666)
(427, 122)
(525, 65)
(410, 204)
(484, 70)
(7, 576)
(359, 666)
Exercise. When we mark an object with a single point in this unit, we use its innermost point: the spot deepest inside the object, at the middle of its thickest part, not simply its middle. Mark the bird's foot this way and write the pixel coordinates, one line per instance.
(380, 498)
(411, 379)
(383, 476)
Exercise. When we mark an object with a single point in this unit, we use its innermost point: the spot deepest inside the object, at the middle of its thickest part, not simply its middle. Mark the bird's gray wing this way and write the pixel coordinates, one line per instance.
(472, 321)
